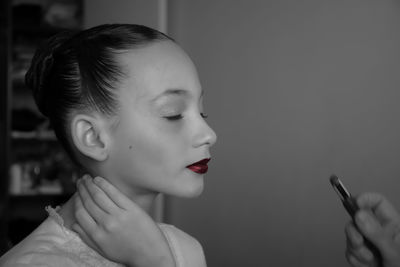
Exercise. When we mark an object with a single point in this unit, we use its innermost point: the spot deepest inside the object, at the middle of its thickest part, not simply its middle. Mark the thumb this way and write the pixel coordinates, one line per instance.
(370, 227)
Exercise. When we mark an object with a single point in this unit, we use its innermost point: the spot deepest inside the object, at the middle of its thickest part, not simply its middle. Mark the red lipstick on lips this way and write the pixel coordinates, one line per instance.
(200, 166)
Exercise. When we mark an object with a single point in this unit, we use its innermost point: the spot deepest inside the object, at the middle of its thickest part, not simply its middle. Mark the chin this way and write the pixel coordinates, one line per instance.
(191, 190)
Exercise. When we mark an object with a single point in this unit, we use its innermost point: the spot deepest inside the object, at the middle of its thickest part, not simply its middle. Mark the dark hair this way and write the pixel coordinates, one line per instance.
(78, 71)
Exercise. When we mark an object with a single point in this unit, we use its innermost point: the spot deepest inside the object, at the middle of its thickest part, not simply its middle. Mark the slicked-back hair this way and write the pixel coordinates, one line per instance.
(79, 71)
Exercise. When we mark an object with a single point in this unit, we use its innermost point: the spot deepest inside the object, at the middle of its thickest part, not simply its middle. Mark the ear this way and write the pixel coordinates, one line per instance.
(89, 135)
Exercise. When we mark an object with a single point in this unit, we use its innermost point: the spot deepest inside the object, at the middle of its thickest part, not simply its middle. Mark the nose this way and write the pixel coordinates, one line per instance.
(205, 135)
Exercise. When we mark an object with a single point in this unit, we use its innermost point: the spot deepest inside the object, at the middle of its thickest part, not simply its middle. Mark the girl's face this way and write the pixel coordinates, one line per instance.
(161, 129)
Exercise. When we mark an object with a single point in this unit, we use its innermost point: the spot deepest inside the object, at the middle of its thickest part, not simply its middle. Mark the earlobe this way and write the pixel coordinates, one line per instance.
(88, 137)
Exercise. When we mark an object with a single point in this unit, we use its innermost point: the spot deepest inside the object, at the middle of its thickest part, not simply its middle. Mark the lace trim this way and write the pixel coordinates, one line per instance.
(53, 213)
(74, 247)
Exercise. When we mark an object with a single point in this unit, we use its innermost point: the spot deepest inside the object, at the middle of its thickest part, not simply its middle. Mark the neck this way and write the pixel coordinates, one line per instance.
(144, 200)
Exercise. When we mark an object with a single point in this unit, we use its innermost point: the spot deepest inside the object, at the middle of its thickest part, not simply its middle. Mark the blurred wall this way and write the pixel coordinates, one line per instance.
(296, 91)
(122, 11)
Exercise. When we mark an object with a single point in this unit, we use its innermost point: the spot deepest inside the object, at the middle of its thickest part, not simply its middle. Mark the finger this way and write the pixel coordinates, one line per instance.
(352, 259)
(90, 206)
(393, 229)
(382, 208)
(353, 236)
(100, 197)
(113, 193)
(83, 217)
(356, 245)
(392, 248)
(372, 229)
(82, 234)
(364, 255)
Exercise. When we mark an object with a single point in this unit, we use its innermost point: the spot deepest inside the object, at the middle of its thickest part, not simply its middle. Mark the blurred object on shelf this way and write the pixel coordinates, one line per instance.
(38, 129)
(36, 135)
(63, 14)
(45, 15)
(15, 186)
(50, 187)
(43, 173)
(22, 56)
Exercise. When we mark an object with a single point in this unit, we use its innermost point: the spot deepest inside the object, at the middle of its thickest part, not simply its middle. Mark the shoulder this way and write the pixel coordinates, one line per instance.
(35, 247)
(53, 245)
(186, 249)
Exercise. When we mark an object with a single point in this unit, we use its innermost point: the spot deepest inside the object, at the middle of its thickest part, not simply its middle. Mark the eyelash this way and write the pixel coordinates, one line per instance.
(174, 118)
(179, 116)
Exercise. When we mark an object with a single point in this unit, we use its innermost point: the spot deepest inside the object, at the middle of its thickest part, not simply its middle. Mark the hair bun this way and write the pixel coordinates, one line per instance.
(39, 73)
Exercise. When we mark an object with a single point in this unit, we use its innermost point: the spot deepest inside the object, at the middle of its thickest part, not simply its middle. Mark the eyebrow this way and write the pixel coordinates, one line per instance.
(174, 92)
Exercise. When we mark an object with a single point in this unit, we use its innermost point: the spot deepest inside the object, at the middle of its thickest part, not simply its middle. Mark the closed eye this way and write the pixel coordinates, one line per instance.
(174, 118)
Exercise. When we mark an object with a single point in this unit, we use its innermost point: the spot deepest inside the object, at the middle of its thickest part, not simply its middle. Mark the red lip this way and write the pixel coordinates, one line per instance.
(200, 166)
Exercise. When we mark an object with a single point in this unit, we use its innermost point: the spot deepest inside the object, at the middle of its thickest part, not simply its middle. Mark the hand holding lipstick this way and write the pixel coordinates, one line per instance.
(378, 221)
(117, 228)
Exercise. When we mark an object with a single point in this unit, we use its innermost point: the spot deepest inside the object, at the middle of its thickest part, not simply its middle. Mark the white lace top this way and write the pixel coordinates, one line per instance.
(52, 244)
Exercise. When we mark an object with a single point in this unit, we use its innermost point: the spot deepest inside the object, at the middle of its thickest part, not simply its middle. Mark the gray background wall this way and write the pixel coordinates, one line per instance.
(296, 91)
(121, 11)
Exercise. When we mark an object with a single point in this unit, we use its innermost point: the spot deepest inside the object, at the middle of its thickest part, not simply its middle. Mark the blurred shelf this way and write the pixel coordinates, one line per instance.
(40, 196)
(39, 31)
(34, 136)
(32, 158)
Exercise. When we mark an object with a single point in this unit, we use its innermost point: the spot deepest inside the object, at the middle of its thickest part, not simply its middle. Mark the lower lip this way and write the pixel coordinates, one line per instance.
(200, 169)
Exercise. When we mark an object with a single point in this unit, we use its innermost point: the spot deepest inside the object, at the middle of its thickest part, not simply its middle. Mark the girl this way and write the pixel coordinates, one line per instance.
(126, 103)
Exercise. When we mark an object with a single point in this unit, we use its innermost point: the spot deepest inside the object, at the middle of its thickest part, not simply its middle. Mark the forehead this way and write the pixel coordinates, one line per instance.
(157, 70)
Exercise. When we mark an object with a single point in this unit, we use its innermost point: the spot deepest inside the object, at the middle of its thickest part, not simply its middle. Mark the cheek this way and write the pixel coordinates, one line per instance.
(147, 150)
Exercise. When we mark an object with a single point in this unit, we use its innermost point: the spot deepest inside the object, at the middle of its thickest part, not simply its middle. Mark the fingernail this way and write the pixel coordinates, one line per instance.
(97, 179)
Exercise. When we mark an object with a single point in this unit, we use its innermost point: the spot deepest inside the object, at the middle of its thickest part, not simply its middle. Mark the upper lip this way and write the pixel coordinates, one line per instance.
(201, 162)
